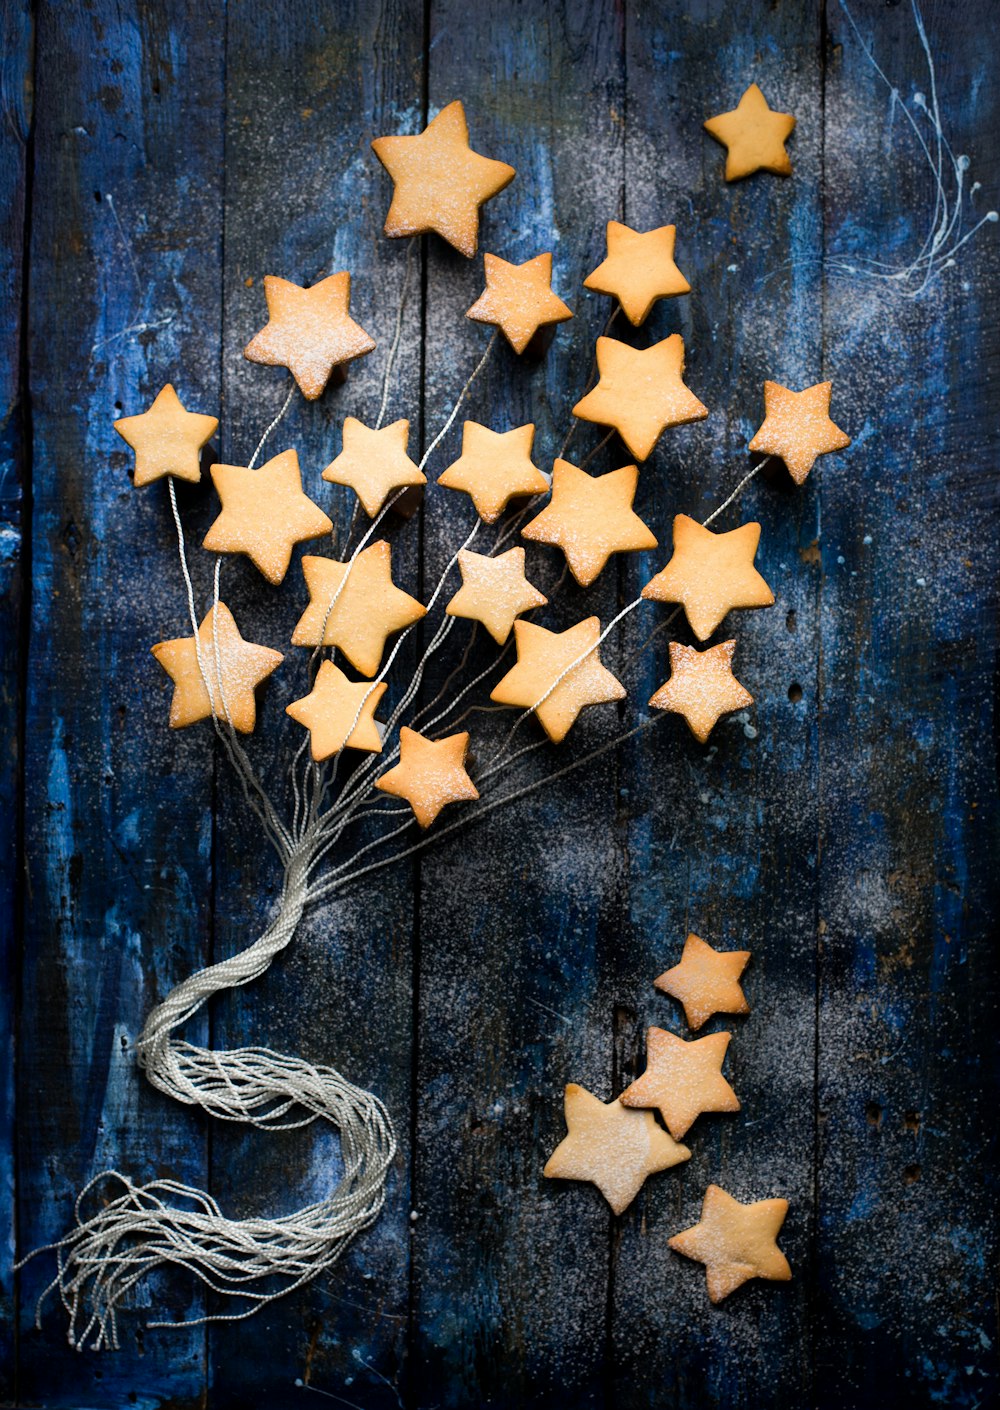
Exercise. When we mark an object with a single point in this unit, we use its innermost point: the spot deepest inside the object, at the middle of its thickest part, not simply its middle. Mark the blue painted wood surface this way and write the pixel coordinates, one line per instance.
(844, 830)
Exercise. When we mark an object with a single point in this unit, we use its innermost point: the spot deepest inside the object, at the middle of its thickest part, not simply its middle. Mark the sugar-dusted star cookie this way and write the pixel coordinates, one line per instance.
(167, 440)
(639, 269)
(494, 591)
(439, 181)
(640, 392)
(265, 513)
(701, 687)
(309, 331)
(494, 468)
(710, 574)
(430, 773)
(374, 463)
(542, 657)
(365, 610)
(232, 667)
(683, 1079)
(754, 136)
(797, 427)
(339, 713)
(590, 517)
(736, 1242)
(518, 299)
(706, 981)
(612, 1147)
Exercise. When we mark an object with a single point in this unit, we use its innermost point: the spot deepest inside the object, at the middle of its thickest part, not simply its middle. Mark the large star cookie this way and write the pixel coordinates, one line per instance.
(232, 667)
(494, 591)
(167, 440)
(518, 299)
(542, 657)
(706, 981)
(639, 269)
(494, 468)
(590, 517)
(797, 427)
(701, 687)
(710, 574)
(374, 463)
(683, 1079)
(430, 774)
(339, 713)
(265, 513)
(736, 1242)
(640, 392)
(309, 331)
(754, 136)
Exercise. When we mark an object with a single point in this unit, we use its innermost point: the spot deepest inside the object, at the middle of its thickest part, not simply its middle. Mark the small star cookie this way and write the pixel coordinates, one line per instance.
(265, 513)
(167, 440)
(590, 517)
(736, 1242)
(494, 468)
(439, 182)
(797, 427)
(706, 981)
(494, 591)
(359, 615)
(542, 657)
(683, 1079)
(710, 574)
(339, 713)
(518, 299)
(640, 392)
(430, 773)
(754, 136)
(612, 1147)
(639, 269)
(701, 687)
(233, 668)
(309, 331)
(374, 463)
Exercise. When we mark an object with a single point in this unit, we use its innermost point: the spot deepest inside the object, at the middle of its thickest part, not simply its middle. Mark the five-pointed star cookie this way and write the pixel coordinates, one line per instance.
(439, 181)
(542, 657)
(374, 463)
(309, 331)
(613, 1147)
(518, 299)
(233, 668)
(494, 468)
(701, 687)
(167, 440)
(710, 574)
(639, 269)
(265, 513)
(797, 427)
(494, 591)
(754, 136)
(360, 614)
(430, 773)
(736, 1242)
(590, 517)
(640, 392)
(682, 1079)
(339, 713)
(706, 981)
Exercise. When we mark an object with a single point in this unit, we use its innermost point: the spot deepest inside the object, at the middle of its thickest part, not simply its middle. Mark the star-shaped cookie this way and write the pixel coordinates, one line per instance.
(265, 513)
(706, 981)
(167, 440)
(374, 463)
(736, 1242)
(639, 269)
(754, 136)
(590, 517)
(683, 1079)
(494, 468)
(518, 299)
(439, 181)
(494, 591)
(640, 392)
(542, 656)
(309, 331)
(233, 668)
(368, 607)
(710, 574)
(339, 713)
(701, 687)
(430, 773)
(797, 427)
(612, 1147)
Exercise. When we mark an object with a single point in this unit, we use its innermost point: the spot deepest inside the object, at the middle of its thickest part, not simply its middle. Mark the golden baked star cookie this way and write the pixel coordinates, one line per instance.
(640, 392)
(638, 270)
(701, 687)
(309, 331)
(232, 668)
(339, 713)
(683, 1079)
(265, 513)
(754, 136)
(167, 440)
(542, 657)
(518, 299)
(430, 774)
(706, 981)
(736, 1242)
(590, 517)
(797, 427)
(439, 182)
(494, 591)
(710, 574)
(374, 463)
(612, 1147)
(494, 468)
